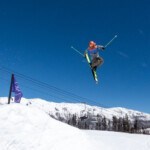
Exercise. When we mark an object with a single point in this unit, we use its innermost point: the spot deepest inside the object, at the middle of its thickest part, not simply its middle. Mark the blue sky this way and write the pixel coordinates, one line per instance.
(35, 40)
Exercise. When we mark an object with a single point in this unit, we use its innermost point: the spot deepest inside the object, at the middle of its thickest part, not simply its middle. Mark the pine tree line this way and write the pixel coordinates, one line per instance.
(99, 122)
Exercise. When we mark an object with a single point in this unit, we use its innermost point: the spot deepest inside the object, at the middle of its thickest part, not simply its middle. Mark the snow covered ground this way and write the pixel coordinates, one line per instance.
(28, 127)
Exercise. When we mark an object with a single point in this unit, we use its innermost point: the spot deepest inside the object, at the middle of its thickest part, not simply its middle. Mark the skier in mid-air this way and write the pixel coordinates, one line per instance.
(92, 55)
(93, 51)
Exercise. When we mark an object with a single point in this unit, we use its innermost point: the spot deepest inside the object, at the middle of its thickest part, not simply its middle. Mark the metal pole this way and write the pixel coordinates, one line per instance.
(12, 79)
(77, 51)
(110, 41)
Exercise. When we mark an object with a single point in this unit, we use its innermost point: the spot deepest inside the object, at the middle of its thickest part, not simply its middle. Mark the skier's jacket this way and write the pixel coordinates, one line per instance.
(93, 52)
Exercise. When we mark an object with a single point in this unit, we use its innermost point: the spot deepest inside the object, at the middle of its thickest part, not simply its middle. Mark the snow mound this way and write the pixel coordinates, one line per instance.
(29, 128)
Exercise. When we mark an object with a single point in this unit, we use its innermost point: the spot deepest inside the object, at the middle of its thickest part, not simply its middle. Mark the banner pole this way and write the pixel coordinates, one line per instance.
(12, 79)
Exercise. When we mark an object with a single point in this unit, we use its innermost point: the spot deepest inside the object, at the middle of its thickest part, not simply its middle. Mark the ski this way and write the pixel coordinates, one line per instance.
(93, 70)
(89, 62)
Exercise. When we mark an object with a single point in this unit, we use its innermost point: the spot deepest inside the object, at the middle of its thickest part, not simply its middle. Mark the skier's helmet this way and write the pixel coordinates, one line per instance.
(92, 44)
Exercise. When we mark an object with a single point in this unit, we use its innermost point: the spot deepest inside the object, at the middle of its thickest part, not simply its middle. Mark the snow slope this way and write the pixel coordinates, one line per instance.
(29, 127)
(106, 140)
(80, 109)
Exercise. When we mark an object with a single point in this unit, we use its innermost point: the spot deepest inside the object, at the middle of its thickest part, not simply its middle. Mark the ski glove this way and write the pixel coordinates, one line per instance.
(103, 48)
(100, 47)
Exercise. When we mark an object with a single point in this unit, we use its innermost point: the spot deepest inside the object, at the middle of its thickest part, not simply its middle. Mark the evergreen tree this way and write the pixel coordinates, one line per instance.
(136, 125)
(104, 123)
(120, 124)
(99, 122)
(126, 124)
(109, 125)
(74, 120)
(114, 124)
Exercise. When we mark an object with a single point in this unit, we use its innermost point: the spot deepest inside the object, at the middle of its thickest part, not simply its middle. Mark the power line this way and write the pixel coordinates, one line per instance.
(39, 91)
(48, 87)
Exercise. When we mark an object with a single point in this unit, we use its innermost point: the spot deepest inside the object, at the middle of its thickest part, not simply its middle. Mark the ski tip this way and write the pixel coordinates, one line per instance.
(116, 36)
(96, 82)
